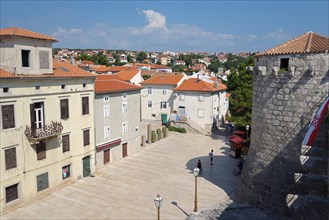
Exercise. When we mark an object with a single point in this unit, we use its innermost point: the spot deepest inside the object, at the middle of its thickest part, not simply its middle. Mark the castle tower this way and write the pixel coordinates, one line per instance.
(290, 82)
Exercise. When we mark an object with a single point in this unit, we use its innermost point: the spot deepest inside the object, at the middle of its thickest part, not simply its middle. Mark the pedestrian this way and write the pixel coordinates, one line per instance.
(199, 166)
(211, 155)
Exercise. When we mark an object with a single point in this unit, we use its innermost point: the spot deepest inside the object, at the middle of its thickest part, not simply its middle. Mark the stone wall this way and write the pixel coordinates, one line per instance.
(284, 103)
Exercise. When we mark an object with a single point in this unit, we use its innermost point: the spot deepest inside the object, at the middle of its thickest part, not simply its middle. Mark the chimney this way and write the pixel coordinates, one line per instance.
(72, 60)
(216, 84)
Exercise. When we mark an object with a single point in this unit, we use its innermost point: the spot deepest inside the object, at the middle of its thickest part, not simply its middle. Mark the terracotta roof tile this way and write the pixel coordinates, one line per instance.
(194, 84)
(60, 69)
(127, 74)
(306, 43)
(108, 77)
(164, 79)
(113, 85)
(20, 32)
(119, 68)
(99, 68)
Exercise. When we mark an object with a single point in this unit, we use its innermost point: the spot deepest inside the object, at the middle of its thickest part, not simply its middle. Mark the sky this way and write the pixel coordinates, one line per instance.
(168, 25)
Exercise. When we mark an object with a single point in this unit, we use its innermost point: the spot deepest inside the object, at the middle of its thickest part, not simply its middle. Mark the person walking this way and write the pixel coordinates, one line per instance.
(211, 155)
(199, 166)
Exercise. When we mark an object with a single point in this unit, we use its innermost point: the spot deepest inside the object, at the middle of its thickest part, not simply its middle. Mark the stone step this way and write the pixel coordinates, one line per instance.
(311, 184)
(314, 151)
(315, 165)
(307, 207)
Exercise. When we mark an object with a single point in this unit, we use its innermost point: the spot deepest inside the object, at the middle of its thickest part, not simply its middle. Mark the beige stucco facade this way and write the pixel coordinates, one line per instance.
(117, 124)
(21, 94)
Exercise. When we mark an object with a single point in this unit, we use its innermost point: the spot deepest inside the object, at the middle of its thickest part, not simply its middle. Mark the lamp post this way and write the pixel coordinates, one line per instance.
(158, 203)
(196, 173)
(247, 129)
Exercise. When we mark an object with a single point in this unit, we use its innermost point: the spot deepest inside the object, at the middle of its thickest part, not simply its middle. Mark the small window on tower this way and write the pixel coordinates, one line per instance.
(284, 63)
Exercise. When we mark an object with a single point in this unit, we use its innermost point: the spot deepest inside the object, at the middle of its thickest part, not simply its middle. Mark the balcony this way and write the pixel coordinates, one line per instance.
(51, 130)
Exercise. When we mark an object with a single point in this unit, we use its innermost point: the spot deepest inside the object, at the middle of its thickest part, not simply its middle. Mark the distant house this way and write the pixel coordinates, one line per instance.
(98, 69)
(116, 69)
(201, 100)
(131, 76)
(157, 94)
(179, 63)
(117, 119)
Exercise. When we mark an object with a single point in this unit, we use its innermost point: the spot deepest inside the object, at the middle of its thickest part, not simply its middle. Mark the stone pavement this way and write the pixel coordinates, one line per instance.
(126, 189)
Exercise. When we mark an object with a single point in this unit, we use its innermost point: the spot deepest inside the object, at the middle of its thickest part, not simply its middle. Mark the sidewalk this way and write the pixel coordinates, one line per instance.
(126, 189)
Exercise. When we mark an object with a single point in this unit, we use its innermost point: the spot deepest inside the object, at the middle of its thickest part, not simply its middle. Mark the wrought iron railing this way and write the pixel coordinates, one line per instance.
(50, 130)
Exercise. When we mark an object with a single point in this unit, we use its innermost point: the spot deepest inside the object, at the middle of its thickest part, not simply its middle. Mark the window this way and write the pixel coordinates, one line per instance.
(106, 98)
(164, 91)
(124, 96)
(41, 150)
(84, 85)
(26, 58)
(8, 116)
(181, 97)
(66, 171)
(5, 89)
(106, 132)
(124, 127)
(86, 137)
(10, 158)
(149, 90)
(63, 86)
(124, 108)
(85, 105)
(200, 113)
(284, 63)
(37, 87)
(201, 98)
(11, 193)
(37, 115)
(42, 182)
(66, 143)
(149, 104)
(64, 108)
(106, 110)
(163, 105)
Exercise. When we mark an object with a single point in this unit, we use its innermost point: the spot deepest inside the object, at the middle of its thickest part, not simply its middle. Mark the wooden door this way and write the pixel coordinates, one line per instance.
(124, 150)
(106, 156)
(86, 166)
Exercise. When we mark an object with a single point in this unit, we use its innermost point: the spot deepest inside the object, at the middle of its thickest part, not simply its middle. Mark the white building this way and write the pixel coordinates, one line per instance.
(201, 101)
(117, 119)
(157, 94)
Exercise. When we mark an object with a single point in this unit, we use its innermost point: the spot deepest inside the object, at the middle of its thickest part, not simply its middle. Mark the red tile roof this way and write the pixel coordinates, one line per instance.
(306, 43)
(194, 84)
(164, 79)
(113, 85)
(20, 32)
(119, 68)
(108, 77)
(127, 74)
(60, 69)
(99, 68)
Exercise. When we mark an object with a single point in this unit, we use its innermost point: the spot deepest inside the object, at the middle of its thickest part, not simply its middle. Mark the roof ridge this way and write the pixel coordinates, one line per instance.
(309, 41)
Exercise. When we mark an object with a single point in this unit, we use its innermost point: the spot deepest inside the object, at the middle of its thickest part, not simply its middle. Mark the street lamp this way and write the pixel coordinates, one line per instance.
(247, 128)
(196, 173)
(158, 203)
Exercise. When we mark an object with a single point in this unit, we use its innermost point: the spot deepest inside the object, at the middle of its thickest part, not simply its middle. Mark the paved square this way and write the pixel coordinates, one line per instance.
(126, 189)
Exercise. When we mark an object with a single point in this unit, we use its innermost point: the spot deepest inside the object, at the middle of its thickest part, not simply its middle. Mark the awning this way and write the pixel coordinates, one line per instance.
(108, 144)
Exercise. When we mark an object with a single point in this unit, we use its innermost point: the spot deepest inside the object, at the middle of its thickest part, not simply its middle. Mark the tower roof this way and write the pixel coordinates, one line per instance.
(306, 43)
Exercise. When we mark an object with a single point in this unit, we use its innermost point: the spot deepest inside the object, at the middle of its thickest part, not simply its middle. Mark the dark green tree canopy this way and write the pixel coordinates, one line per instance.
(141, 56)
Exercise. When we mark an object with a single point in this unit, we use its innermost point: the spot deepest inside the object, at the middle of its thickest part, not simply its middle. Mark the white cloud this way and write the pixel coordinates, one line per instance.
(155, 20)
(62, 32)
(277, 35)
(250, 37)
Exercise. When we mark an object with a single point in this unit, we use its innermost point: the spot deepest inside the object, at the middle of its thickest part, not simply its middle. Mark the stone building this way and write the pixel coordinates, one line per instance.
(280, 176)
(41, 100)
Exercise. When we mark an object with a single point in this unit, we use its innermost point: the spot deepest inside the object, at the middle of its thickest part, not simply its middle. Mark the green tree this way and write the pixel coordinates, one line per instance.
(141, 56)
(240, 87)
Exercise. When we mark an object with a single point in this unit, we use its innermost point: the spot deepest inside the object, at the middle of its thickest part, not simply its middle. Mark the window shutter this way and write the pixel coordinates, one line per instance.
(33, 117)
(66, 143)
(86, 137)
(41, 150)
(64, 109)
(10, 158)
(8, 116)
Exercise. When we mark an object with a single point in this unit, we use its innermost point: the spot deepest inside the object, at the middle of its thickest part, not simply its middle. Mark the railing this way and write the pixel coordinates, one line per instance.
(50, 130)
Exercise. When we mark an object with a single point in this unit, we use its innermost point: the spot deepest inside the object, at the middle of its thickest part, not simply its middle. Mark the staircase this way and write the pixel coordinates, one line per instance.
(311, 200)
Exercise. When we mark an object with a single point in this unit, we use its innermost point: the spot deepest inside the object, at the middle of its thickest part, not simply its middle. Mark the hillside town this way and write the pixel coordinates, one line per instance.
(74, 116)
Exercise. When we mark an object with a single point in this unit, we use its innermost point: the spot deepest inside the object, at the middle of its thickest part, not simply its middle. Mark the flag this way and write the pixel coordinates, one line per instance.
(314, 127)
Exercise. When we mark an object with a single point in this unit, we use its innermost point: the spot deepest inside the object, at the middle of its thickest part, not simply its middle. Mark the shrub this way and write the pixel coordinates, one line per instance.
(180, 130)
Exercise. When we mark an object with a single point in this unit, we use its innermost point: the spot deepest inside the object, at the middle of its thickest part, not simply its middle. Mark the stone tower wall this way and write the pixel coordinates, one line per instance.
(284, 103)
